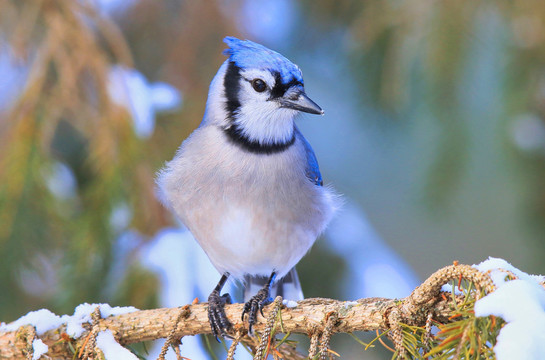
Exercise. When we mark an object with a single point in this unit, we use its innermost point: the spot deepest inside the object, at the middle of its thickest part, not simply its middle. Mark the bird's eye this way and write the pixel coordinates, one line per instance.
(259, 85)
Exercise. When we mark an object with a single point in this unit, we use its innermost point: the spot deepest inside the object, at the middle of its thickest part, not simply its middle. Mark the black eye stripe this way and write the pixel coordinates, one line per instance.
(279, 88)
(232, 86)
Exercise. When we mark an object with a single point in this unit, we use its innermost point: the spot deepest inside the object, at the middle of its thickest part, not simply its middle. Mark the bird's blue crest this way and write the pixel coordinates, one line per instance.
(247, 54)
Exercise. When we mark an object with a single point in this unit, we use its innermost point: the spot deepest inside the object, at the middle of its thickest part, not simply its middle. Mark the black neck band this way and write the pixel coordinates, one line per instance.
(235, 135)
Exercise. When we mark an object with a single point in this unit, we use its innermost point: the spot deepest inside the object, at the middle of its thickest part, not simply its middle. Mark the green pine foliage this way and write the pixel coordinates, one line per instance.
(461, 336)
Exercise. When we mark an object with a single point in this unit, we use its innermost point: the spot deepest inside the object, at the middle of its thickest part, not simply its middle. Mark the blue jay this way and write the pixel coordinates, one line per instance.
(246, 182)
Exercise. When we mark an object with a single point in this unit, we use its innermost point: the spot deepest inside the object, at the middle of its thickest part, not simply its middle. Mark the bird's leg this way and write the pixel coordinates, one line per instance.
(257, 302)
(216, 312)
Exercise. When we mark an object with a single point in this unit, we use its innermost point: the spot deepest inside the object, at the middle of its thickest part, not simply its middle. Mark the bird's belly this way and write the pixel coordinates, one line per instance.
(260, 231)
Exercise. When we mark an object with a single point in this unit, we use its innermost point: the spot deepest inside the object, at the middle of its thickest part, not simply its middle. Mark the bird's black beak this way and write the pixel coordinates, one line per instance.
(302, 103)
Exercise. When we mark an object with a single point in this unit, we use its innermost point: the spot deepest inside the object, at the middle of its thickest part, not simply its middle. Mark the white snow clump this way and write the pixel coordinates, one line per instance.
(521, 303)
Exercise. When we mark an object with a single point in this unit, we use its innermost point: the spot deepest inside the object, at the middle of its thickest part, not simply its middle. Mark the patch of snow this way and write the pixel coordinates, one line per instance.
(40, 278)
(184, 272)
(126, 244)
(289, 303)
(448, 288)
(82, 314)
(38, 349)
(106, 310)
(528, 133)
(110, 7)
(494, 267)
(375, 269)
(521, 303)
(130, 89)
(14, 73)
(111, 348)
(164, 97)
(182, 266)
(120, 217)
(43, 320)
(60, 180)
(347, 304)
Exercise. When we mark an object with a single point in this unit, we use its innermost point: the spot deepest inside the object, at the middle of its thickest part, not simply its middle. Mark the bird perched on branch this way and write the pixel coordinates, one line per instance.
(246, 182)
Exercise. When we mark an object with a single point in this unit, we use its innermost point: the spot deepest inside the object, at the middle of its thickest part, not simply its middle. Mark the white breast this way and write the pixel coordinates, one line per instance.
(251, 213)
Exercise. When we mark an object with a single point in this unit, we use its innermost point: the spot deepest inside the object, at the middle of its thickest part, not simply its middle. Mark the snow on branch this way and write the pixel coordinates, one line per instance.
(318, 318)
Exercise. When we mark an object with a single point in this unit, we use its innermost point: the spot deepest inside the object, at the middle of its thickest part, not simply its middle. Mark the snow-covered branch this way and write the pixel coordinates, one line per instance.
(318, 318)
(306, 317)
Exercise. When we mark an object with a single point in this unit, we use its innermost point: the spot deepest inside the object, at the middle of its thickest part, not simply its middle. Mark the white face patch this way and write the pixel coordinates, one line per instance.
(260, 118)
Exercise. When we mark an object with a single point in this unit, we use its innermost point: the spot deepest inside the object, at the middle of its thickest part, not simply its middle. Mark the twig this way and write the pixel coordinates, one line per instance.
(265, 342)
(184, 312)
(396, 333)
(30, 337)
(233, 347)
(89, 346)
(428, 335)
(314, 342)
(331, 321)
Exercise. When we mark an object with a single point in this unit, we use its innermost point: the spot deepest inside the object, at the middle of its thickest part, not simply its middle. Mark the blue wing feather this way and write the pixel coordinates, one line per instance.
(312, 170)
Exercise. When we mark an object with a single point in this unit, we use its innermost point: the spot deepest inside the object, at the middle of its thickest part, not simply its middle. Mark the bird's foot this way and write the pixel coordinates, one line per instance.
(216, 314)
(257, 302)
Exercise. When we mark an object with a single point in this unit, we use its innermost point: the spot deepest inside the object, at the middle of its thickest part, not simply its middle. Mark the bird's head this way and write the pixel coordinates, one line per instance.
(257, 93)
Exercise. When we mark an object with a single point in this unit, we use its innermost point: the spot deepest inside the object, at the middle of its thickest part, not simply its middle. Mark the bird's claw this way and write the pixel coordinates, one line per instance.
(255, 304)
(216, 314)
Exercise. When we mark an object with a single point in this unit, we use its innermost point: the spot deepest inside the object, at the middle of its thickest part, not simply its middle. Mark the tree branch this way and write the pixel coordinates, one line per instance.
(310, 317)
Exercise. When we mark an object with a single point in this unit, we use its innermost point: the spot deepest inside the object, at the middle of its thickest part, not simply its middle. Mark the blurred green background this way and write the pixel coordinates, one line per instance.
(434, 125)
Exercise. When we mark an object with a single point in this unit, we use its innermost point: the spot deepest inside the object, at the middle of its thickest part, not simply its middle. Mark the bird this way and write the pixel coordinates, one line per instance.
(246, 183)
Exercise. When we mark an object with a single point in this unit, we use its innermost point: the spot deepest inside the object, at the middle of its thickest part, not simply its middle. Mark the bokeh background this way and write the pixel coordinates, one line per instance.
(434, 133)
